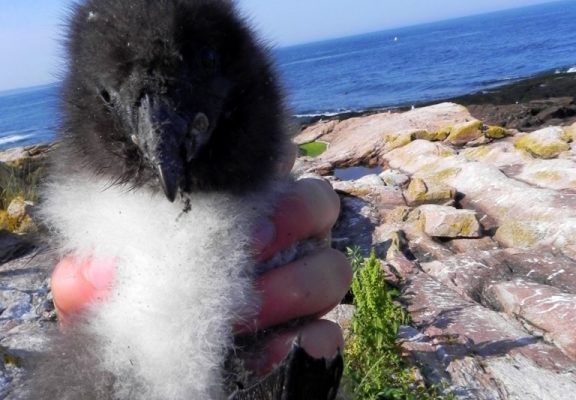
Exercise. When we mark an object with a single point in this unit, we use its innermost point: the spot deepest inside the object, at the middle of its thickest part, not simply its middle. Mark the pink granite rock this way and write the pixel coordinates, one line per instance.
(421, 192)
(482, 353)
(449, 222)
(378, 130)
(544, 308)
(493, 315)
(544, 143)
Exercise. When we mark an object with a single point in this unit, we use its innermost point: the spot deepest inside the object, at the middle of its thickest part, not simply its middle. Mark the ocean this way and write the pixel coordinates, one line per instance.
(382, 69)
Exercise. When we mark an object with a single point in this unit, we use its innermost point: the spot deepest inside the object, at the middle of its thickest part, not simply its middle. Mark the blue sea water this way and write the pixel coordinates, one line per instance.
(28, 116)
(382, 69)
(429, 62)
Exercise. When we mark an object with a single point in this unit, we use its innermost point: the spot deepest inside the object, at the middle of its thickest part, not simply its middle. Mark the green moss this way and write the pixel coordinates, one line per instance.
(313, 149)
(374, 368)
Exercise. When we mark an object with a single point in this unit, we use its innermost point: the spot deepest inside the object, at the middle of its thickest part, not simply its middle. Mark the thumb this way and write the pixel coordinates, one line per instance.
(78, 282)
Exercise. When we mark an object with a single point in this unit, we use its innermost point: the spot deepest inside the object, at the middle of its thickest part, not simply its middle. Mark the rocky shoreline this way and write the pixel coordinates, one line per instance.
(477, 225)
(545, 99)
(528, 104)
(472, 211)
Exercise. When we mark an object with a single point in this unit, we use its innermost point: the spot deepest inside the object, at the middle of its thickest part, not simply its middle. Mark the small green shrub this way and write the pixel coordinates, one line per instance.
(374, 369)
(313, 149)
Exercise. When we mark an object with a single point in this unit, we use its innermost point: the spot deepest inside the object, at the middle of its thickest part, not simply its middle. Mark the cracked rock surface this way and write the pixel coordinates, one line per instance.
(26, 309)
(487, 264)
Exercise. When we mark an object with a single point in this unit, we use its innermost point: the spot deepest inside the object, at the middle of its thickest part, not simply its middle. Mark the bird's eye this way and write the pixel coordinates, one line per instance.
(209, 58)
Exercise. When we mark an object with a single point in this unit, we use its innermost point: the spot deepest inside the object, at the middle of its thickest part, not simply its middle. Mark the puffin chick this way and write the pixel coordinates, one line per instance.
(172, 129)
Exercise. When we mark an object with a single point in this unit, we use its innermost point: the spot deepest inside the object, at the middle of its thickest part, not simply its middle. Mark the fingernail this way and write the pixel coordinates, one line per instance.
(100, 273)
(264, 234)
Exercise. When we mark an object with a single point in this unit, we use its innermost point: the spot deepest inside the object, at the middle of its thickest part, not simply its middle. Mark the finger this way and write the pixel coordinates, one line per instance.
(308, 286)
(320, 338)
(78, 282)
(309, 210)
(288, 160)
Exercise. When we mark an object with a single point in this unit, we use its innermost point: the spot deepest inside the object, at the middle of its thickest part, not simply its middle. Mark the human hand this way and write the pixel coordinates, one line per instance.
(309, 286)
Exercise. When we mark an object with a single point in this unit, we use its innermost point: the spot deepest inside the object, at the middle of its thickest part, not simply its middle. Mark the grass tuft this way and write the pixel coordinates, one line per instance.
(19, 181)
(374, 368)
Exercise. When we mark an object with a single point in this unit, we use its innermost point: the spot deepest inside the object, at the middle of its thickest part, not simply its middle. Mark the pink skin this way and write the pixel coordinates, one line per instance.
(309, 286)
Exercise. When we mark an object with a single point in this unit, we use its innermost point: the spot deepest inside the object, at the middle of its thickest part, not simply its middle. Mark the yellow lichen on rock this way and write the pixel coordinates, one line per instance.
(420, 192)
(466, 227)
(548, 175)
(16, 218)
(4, 221)
(359, 192)
(444, 221)
(549, 150)
(519, 234)
(26, 225)
(398, 215)
(17, 208)
(439, 135)
(569, 133)
(397, 243)
(7, 223)
(495, 132)
(440, 177)
(444, 132)
(544, 143)
(476, 153)
(394, 141)
(465, 132)
(446, 153)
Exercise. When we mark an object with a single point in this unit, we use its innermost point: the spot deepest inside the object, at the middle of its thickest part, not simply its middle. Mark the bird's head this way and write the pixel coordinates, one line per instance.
(174, 94)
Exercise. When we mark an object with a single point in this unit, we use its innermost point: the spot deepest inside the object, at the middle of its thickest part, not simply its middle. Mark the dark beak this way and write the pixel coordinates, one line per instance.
(169, 140)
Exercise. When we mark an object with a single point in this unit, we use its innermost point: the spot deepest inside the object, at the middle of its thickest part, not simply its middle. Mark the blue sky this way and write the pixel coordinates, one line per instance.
(29, 29)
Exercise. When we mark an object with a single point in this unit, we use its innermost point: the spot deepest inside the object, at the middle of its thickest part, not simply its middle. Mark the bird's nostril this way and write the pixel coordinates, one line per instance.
(105, 96)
